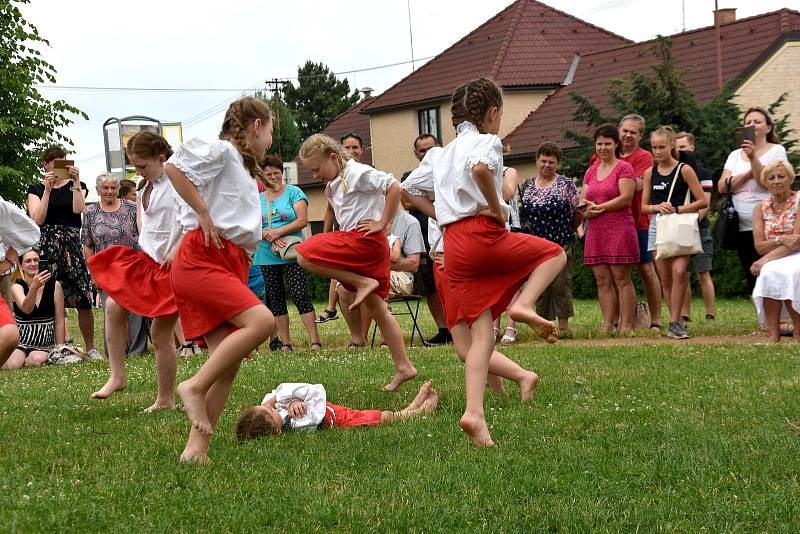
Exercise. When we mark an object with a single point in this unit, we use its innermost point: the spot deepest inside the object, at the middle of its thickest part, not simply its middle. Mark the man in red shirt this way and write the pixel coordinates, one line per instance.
(631, 129)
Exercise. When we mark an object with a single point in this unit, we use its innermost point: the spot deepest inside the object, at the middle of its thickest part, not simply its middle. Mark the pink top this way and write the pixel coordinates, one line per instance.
(777, 224)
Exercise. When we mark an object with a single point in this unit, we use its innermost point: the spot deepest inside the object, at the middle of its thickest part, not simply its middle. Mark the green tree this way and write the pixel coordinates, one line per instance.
(318, 98)
(29, 123)
(285, 132)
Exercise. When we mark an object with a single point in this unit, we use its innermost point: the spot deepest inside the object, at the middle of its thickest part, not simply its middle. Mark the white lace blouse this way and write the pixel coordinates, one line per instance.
(419, 183)
(160, 227)
(359, 194)
(217, 170)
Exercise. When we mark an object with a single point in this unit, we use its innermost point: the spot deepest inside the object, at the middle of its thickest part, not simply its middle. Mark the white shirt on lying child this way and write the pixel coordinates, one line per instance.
(359, 194)
(313, 395)
(17, 230)
(218, 171)
(160, 227)
(457, 192)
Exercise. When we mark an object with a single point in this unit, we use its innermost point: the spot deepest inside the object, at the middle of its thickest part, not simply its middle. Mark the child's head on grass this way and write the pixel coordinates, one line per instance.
(258, 421)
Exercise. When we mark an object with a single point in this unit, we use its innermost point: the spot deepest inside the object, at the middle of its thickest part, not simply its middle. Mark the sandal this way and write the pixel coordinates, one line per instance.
(354, 346)
(316, 344)
(287, 347)
(509, 339)
(497, 334)
(656, 326)
(275, 344)
(325, 316)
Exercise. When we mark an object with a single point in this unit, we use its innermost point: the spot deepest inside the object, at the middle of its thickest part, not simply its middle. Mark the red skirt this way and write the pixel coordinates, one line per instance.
(356, 252)
(342, 417)
(486, 264)
(210, 284)
(449, 306)
(134, 280)
(5, 314)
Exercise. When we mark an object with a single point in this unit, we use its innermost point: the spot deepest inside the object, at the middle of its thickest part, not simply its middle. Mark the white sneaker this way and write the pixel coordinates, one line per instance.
(94, 355)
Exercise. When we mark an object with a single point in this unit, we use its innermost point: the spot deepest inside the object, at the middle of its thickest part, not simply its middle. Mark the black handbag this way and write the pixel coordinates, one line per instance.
(726, 229)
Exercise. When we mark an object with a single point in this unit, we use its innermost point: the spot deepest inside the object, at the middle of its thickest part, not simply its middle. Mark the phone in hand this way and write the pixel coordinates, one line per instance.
(744, 133)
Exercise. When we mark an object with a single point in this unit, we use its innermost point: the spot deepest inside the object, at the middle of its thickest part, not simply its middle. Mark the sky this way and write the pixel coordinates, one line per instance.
(238, 44)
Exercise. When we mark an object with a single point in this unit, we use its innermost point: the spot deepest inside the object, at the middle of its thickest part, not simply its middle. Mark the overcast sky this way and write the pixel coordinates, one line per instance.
(237, 44)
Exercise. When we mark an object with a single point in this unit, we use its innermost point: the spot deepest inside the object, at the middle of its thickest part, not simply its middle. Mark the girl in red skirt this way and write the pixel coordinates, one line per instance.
(485, 263)
(364, 201)
(418, 189)
(18, 233)
(221, 215)
(139, 281)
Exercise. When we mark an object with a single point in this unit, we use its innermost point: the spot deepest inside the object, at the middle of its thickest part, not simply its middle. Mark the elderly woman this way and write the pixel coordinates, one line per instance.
(548, 209)
(56, 205)
(111, 222)
(39, 312)
(284, 212)
(776, 236)
(611, 248)
(743, 170)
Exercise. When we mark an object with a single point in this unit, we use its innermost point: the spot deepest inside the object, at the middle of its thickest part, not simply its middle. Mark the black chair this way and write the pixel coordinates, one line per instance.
(413, 312)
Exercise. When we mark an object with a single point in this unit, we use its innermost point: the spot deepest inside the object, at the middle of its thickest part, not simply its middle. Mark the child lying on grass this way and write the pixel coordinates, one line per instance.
(303, 407)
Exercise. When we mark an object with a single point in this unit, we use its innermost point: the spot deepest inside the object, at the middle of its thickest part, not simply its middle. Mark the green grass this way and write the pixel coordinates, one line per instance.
(617, 438)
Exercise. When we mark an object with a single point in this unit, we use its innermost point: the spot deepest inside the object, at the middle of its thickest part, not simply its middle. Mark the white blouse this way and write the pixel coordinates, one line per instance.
(359, 194)
(218, 171)
(747, 197)
(419, 183)
(313, 395)
(160, 227)
(457, 192)
(17, 230)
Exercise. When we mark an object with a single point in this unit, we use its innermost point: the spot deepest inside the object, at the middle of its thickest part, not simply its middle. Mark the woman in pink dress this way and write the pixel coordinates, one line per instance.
(611, 247)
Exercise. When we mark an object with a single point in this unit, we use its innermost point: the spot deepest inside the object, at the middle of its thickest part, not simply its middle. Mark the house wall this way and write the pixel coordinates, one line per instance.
(778, 75)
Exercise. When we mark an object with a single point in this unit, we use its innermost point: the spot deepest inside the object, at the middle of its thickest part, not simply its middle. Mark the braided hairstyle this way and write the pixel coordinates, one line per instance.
(148, 144)
(323, 145)
(239, 116)
(669, 134)
(473, 100)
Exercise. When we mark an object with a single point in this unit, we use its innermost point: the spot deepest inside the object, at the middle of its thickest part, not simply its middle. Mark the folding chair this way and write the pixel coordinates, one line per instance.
(407, 299)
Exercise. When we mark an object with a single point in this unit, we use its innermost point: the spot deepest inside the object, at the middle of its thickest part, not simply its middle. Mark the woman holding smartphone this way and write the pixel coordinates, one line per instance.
(743, 167)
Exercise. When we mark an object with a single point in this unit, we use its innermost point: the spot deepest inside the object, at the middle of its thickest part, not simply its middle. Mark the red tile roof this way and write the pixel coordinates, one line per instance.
(527, 44)
(743, 42)
(352, 120)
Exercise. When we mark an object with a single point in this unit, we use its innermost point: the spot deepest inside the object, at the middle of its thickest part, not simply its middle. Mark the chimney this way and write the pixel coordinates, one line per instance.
(725, 16)
(367, 91)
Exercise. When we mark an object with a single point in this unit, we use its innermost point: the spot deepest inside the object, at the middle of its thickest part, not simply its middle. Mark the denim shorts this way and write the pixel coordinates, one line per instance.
(651, 235)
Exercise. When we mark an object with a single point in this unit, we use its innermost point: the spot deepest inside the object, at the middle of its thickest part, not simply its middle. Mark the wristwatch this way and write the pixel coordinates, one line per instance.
(777, 240)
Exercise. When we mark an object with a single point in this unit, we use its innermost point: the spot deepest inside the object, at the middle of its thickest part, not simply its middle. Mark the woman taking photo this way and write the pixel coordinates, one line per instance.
(744, 167)
(284, 212)
(661, 197)
(611, 247)
(111, 222)
(56, 205)
(39, 313)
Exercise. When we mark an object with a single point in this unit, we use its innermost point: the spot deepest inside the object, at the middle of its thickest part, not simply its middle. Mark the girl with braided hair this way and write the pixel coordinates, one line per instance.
(485, 263)
(364, 201)
(220, 213)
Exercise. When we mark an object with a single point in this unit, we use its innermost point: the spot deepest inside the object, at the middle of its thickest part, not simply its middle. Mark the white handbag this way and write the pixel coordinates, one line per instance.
(677, 234)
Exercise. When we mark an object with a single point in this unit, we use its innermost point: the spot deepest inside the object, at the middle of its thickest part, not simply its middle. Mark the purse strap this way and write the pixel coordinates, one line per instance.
(674, 179)
(269, 209)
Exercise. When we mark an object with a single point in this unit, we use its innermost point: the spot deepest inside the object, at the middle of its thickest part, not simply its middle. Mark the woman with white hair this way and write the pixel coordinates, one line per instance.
(776, 234)
(111, 222)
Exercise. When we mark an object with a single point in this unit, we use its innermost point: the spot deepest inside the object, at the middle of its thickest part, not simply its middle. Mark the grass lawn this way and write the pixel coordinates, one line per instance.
(682, 436)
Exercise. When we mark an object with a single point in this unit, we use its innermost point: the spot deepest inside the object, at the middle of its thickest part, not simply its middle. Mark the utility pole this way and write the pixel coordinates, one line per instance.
(410, 35)
(275, 86)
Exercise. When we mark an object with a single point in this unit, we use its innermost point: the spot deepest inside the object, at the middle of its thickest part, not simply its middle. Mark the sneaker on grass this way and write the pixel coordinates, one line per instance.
(677, 331)
(94, 355)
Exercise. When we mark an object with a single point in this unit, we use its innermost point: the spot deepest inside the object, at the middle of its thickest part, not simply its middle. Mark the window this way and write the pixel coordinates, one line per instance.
(430, 122)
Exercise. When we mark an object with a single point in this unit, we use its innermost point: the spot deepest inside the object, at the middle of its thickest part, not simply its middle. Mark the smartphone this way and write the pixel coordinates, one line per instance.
(45, 265)
(744, 133)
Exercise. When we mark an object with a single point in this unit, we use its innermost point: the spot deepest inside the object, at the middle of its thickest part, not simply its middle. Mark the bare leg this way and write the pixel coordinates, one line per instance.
(686, 309)
(707, 288)
(437, 312)
(333, 297)
(606, 294)
(627, 296)
(117, 324)
(522, 309)
(17, 358)
(366, 322)
(161, 332)
(254, 326)
(680, 281)
(86, 324)
(364, 286)
(652, 290)
(404, 369)
(36, 358)
(352, 316)
(772, 309)
(473, 422)
(9, 339)
(282, 324)
(428, 404)
(500, 366)
(795, 320)
(311, 326)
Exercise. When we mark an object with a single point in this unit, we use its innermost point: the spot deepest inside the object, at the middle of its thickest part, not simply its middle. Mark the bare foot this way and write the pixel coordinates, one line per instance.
(399, 378)
(476, 429)
(541, 326)
(363, 292)
(159, 405)
(188, 457)
(496, 384)
(422, 394)
(431, 403)
(527, 385)
(110, 387)
(195, 405)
